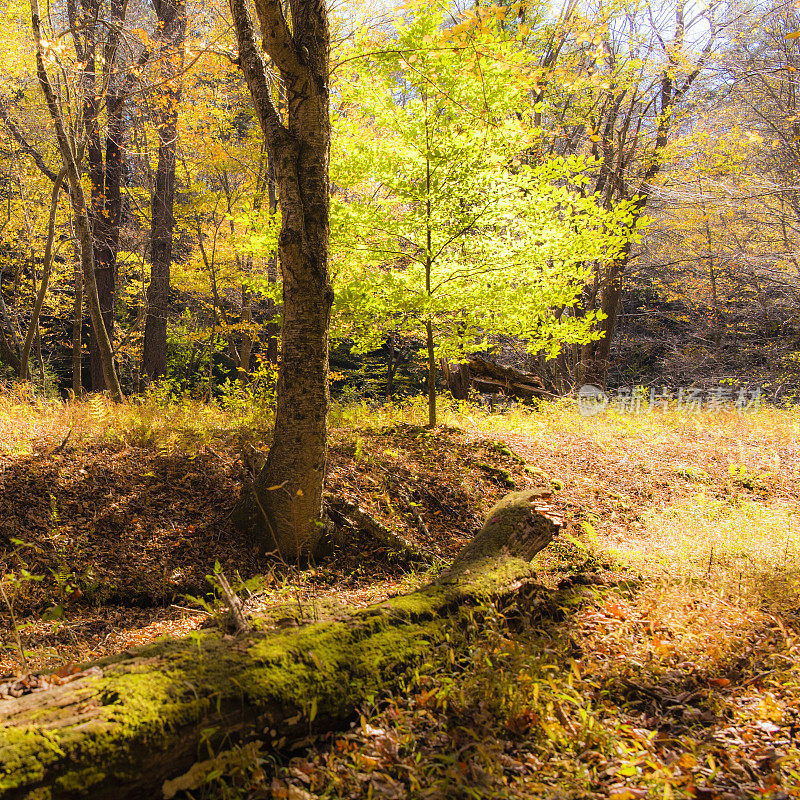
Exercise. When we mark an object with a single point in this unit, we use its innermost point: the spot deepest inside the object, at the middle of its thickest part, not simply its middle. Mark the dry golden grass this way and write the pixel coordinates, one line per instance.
(27, 423)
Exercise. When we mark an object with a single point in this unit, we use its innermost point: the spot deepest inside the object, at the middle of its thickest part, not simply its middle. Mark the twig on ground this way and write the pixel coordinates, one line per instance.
(234, 603)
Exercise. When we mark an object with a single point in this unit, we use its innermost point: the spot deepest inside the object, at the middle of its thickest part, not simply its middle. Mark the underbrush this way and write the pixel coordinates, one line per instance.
(159, 419)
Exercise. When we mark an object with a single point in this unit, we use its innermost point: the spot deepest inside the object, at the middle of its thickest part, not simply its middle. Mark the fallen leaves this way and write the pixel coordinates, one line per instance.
(29, 684)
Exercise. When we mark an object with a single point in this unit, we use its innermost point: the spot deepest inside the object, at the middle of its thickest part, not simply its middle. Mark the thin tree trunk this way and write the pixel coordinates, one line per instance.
(45, 280)
(105, 169)
(10, 347)
(172, 32)
(431, 374)
(77, 333)
(106, 218)
(128, 723)
(391, 366)
(246, 347)
(272, 329)
(82, 224)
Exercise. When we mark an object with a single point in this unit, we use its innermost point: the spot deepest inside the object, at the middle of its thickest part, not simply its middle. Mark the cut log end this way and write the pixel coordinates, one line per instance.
(519, 525)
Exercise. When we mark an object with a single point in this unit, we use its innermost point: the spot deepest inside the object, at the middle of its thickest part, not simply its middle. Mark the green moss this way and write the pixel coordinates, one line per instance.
(504, 450)
(503, 476)
(25, 753)
(42, 793)
(79, 780)
(537, 472)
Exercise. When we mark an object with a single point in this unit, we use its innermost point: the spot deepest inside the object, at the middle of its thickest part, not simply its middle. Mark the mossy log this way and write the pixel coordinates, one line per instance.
(128, 723)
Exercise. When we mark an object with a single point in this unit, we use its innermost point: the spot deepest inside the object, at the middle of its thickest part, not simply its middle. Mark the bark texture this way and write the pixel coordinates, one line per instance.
(284, 507)
(104, 160)
(126, 724)
(172, 34)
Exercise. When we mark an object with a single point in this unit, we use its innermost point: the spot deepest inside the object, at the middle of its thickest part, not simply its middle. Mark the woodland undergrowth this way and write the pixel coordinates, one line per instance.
(661, 660)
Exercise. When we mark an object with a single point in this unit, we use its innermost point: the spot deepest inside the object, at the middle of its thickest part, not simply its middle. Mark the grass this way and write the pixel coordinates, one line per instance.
(154, 421)
(667, 664)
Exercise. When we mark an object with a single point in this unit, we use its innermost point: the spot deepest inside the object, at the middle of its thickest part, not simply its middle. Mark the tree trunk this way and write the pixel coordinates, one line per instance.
(77, 332)
(172, 33)
(48, 266)
(431, 374)
(272, 329)
(457, 378)
(391, 367)
(106, 217)
(83, 228)
(10, 348)
(128, 723)
(597, 358)
(284, 507)
(246, 346)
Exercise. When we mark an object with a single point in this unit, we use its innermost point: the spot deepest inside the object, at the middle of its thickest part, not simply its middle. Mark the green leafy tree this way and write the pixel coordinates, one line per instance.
(443, 228)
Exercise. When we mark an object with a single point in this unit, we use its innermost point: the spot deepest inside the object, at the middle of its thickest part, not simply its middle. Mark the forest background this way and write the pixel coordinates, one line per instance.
(601, 194)
(656, 150)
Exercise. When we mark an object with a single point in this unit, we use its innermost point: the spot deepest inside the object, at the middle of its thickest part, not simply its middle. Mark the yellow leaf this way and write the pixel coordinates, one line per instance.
(687, 761)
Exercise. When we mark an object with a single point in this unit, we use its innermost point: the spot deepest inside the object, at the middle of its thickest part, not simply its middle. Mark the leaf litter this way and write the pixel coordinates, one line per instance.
(679, 679)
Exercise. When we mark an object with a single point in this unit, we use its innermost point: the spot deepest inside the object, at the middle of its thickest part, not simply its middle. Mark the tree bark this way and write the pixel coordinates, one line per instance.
(105, 174)
(83, 228)
(172, 33)
(10, 347)
(457, 378)
(284, 508)
(126, 724)
(272, 329)
(77, 332)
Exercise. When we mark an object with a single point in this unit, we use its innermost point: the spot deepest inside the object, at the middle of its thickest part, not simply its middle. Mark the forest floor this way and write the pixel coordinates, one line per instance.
(668, 664)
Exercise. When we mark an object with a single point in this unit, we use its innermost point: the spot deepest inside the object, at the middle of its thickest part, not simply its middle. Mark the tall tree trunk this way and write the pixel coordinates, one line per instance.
(127, 724)
(284, 506)
(10, 347)
(431, 373)
(83, 228)
(172, 33)
(106, 216)
(597, 355)
(246, 346)
(77, 332)
(105, 169)
(272, 329)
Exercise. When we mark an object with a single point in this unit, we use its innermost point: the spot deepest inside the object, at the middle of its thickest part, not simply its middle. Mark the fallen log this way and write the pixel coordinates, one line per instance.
(126, 724)
(489, 369)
